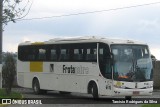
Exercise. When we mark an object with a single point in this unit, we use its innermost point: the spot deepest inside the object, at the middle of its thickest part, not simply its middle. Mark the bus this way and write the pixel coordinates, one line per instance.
(92, 65)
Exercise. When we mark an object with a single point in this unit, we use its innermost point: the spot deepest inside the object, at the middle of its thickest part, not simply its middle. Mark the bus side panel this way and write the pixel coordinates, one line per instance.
(56, 76)
(22, 70)
(105, 86)
(47, 78)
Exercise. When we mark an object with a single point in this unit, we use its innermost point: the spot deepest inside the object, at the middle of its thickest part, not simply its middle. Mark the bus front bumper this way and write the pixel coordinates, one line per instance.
(132, 92)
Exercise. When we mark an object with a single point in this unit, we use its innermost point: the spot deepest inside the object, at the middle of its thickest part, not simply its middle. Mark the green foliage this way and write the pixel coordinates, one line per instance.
(151, 105)
(3, 94)
(8, 72)
(13, 10)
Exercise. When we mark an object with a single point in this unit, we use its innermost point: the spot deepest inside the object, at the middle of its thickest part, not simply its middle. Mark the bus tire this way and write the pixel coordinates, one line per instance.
(36, 87)
(94, 91)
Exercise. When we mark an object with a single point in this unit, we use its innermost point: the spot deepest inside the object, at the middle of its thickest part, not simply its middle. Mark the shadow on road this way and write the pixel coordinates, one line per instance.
(54, 97)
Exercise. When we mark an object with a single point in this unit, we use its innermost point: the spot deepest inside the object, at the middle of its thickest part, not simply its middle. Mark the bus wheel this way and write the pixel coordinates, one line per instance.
(94, 91)
(36, 87)
(128, 97)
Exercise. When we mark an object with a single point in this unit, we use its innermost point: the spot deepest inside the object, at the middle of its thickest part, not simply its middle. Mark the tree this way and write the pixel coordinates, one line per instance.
(11, 10)
(14, 10)
(8, 71)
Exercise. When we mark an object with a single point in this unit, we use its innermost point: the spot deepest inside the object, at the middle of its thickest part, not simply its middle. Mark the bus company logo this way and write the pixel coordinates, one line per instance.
(70, 69)
(75, 70)
(6, 101)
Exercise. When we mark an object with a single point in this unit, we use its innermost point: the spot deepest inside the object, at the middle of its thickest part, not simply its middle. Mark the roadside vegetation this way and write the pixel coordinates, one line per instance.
(3, 94)
(151, 105)
(8, 72)
(8, 75)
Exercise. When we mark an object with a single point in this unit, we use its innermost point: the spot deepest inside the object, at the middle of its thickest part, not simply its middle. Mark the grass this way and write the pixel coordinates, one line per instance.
(151, 105)
(12, 95)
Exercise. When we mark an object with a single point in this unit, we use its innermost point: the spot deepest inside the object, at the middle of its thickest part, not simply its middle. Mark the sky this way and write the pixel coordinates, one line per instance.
(138, 23)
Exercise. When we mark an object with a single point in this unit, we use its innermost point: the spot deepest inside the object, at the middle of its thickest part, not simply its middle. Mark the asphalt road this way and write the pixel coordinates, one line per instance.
(55, 99)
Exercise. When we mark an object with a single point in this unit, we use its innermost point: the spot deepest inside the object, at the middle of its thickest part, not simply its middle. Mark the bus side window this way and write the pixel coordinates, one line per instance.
(23, 53)
(31, 54)
(88, 56)
(64, 53)
(91, 54)
(78, 56)
(53, 55)
(84, 54)
(27, 53)
(41, 54)
(89, 51)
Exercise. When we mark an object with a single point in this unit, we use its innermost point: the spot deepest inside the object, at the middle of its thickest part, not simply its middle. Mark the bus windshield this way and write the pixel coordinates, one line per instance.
(131, 63)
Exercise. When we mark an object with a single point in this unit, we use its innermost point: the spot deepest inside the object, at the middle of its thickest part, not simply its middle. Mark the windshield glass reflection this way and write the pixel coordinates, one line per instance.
(132, 63)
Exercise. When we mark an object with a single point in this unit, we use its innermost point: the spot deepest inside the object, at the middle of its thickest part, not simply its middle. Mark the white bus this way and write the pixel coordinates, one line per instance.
(97, 66)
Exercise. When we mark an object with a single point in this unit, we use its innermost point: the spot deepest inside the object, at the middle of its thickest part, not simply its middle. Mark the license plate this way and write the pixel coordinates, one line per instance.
(135, 92)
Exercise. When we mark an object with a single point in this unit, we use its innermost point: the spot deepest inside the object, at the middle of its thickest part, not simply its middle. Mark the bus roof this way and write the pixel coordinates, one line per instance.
(85, 39)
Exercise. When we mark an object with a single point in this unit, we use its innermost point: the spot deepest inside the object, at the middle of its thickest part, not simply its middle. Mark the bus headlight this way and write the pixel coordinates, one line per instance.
(119, 84)
(123, 87)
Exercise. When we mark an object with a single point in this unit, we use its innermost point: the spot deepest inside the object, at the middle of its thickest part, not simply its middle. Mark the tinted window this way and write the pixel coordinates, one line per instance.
(80, 52)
